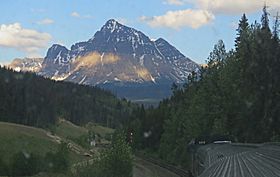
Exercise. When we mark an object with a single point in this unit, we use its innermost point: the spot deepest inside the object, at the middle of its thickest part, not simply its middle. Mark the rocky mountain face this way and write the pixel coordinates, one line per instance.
(26, 64)
(121, 59)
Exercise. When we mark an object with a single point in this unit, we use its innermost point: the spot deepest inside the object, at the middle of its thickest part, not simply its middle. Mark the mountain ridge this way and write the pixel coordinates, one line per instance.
(26, 64)
(118, 53)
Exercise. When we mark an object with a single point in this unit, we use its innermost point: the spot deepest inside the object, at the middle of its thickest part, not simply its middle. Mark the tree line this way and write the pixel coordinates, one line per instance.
(236, 96)
(29, 99)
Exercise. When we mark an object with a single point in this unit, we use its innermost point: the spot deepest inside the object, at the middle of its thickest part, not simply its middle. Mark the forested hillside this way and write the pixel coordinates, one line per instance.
(26, 98)
(236, 96)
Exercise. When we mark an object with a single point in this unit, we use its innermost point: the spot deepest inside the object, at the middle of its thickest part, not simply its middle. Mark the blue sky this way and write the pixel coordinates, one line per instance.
(29, 27)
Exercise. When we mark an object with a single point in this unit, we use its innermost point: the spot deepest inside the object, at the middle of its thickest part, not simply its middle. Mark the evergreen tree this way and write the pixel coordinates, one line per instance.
(265, 19)
(236, 96)
(242, 31)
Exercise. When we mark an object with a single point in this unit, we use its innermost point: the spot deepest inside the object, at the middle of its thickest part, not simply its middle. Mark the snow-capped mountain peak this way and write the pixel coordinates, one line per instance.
(118, 53)
(111, 25)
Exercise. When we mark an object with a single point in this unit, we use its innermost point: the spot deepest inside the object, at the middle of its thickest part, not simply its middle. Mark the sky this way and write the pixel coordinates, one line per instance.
(29, 27)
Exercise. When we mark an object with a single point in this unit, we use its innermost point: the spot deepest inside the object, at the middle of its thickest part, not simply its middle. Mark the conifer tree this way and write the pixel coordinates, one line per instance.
(265, 19)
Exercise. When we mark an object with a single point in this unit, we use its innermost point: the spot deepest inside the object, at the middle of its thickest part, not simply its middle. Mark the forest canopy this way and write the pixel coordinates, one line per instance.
(236, 96)
(29, 99)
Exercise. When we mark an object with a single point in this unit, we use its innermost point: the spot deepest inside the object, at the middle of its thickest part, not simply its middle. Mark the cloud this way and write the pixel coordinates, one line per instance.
(27, 40)
(236, 6)
(175, 2)
(181, 18)
(45, 21)
(75, 14)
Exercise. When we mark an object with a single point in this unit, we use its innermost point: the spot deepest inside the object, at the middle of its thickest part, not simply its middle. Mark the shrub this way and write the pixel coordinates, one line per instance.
(25, 164)
(113, 162)
(57, 162)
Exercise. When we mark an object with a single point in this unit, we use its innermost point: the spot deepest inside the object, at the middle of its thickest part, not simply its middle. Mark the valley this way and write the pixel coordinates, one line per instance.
(92, 94)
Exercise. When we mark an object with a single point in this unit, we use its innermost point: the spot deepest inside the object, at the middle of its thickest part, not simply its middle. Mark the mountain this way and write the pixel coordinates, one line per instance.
(26, 64)
(120, 58)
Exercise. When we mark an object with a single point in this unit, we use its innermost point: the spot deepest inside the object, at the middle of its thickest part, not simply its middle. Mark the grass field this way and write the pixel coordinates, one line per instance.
(16, 138)
(19, 138)
(73, 133)
(101, 130)
(66, 129)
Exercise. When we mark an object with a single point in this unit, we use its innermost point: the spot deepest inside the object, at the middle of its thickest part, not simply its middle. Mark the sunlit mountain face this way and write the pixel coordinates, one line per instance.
(27, 64)
(121, 59)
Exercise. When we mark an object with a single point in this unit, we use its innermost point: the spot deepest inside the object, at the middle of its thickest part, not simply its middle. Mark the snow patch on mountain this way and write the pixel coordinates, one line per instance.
(139, 59)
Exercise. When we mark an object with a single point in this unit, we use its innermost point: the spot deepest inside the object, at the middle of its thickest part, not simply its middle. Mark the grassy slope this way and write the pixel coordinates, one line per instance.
(70, 131)
(15, 138)
(67, 129)
(99, 129)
